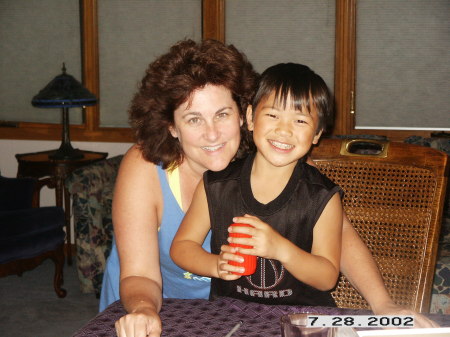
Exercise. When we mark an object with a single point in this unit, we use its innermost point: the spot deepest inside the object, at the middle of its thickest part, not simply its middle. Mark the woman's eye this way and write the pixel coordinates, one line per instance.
(222, 115)
(194, 120)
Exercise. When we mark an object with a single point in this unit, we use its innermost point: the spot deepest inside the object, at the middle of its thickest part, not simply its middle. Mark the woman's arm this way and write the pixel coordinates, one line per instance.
(137, 206)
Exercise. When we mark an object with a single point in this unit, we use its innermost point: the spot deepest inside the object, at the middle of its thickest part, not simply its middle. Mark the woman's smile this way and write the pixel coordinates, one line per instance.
(213, 148)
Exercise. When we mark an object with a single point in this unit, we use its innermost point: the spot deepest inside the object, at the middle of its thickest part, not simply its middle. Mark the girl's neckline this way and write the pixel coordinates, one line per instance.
(274, 205)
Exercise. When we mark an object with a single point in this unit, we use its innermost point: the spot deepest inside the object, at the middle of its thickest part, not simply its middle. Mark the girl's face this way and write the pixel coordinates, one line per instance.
(282, 135)
(208, 128)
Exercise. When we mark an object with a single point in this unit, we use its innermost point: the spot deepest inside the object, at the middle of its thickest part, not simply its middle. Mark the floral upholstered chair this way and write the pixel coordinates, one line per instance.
(91, 188)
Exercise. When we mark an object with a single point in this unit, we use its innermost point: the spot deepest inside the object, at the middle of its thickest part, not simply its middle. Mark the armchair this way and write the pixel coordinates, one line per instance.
(29, 234)
(394, 197)
(91, 188)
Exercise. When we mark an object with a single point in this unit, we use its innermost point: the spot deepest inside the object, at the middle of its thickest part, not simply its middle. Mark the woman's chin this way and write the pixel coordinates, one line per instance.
(218, 165)
(220, 159)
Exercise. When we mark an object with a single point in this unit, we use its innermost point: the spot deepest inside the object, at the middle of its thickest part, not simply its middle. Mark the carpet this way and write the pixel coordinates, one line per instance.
(29, 306)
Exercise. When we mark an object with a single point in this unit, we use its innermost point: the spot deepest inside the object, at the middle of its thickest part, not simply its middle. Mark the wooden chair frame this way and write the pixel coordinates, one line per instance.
(394, 197)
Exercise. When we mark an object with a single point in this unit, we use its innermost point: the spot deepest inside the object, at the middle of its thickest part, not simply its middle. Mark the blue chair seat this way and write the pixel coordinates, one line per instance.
(30, 232)
(29, 235)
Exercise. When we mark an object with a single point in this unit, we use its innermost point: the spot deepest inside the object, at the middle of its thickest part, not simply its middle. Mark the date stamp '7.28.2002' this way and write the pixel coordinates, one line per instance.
(360, 321)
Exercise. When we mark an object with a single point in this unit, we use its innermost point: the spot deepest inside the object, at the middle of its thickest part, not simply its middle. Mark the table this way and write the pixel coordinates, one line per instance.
(216, 318)
(38, 165)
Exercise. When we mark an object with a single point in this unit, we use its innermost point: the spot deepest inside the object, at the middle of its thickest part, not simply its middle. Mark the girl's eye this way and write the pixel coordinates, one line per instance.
(271, 116)
(301, 121)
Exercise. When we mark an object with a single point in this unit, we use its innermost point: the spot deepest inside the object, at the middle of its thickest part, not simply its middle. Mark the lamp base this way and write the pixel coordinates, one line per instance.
(66, 153)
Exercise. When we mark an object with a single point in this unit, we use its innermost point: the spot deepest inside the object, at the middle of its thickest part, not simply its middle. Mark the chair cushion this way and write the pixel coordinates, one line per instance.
(23, 223)
(31, 232)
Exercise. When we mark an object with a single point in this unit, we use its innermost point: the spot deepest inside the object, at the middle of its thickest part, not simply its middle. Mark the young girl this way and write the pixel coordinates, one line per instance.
(295, 211)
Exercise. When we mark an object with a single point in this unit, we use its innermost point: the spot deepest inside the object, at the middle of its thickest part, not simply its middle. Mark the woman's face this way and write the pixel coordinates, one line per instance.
(208, 128)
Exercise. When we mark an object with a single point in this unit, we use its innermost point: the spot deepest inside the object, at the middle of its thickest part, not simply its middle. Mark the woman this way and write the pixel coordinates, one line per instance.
(188, 117)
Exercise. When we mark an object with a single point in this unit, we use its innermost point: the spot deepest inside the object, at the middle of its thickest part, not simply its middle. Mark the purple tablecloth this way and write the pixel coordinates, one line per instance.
(183, 318)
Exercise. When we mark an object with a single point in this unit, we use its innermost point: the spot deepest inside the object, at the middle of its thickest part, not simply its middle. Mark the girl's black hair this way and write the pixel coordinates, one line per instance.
(305, 87)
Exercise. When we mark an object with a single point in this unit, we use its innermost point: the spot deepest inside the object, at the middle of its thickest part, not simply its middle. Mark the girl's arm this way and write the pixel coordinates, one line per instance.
(187, 251)
(320, 268)
(137, 206)
(358, 265)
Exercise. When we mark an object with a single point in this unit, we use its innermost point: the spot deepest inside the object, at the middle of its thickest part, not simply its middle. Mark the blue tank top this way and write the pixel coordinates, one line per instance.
(177, 283)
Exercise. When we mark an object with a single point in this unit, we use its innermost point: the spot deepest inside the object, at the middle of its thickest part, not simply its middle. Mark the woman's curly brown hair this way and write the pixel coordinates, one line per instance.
(172, 78)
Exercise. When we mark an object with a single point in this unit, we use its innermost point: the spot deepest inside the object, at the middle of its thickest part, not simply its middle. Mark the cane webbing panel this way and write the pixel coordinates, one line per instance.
(390, 207)
(394, 206)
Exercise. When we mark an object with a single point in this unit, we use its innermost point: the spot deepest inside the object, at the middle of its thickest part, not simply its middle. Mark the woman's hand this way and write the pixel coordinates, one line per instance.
(224, 269)
(142, 323)
(420, 321)
(265, 240)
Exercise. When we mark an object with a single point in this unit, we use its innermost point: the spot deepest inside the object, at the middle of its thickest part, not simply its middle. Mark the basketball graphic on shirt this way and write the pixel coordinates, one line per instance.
(269, 274)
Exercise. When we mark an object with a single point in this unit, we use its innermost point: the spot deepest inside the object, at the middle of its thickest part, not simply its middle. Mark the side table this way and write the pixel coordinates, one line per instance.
(38, 165)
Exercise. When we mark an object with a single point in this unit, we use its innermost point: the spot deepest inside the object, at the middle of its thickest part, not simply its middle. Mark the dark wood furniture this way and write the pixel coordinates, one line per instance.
(39, 165)
(394, 197)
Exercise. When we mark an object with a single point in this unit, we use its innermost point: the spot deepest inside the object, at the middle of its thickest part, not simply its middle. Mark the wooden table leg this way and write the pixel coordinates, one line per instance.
(67, 214)
(60, 192)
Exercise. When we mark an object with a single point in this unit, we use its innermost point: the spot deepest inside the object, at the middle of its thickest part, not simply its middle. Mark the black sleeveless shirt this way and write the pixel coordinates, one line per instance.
(293, 214)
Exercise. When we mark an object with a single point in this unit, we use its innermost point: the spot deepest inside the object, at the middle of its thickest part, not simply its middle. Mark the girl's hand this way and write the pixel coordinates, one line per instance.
(224, 269)
(142, 323)
(265, 240)
(420, 321)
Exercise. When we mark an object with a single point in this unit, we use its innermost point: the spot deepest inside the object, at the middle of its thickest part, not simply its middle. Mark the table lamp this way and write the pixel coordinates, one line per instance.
(64, 92)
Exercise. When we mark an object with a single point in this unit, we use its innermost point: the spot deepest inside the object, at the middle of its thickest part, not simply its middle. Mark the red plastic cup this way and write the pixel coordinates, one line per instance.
(249, 260)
